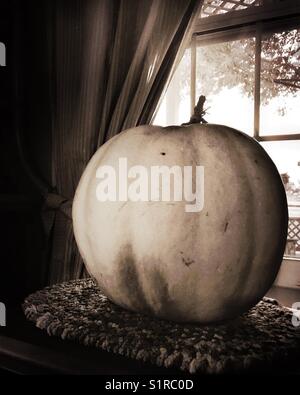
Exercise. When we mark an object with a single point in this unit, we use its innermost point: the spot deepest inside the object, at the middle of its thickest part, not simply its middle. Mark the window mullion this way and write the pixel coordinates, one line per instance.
(193, 74)
(257, 80)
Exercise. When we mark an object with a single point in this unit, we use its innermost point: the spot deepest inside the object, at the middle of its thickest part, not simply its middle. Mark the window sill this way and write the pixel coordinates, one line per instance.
(291, 258)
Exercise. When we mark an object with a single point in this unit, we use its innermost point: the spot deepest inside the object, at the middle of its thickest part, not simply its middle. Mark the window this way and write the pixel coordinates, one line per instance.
(227, 82)
(175, 106)
(250, 75)
(280, 83)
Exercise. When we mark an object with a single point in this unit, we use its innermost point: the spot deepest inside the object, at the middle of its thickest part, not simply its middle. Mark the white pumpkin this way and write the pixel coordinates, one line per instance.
(155, 257)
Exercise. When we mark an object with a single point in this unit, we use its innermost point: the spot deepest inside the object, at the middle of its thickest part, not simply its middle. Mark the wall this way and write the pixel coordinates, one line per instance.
(289, 274)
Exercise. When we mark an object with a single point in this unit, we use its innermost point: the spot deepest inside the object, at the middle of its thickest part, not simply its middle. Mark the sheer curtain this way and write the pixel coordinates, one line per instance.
(109, 61)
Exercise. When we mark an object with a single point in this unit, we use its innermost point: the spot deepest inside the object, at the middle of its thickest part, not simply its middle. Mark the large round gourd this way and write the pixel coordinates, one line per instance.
(155, 257)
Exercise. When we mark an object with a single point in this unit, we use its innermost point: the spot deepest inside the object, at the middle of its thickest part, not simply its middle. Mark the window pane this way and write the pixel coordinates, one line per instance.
(280, 83)
(286, 156)
(225, 75)
(175, 106)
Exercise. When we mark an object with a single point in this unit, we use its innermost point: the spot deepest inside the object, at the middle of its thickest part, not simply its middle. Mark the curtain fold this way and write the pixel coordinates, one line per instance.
(109, 61)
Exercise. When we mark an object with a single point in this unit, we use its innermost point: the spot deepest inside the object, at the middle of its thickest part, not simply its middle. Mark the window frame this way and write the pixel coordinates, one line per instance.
(251, 22)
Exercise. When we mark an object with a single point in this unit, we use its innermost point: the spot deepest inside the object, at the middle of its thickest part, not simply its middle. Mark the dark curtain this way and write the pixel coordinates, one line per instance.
(103, 65)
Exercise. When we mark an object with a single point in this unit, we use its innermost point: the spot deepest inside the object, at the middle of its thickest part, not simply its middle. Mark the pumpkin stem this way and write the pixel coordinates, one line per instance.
(199, 112)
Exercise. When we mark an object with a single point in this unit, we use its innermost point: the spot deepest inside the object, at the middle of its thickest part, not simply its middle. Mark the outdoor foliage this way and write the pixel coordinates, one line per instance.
(231, 64)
